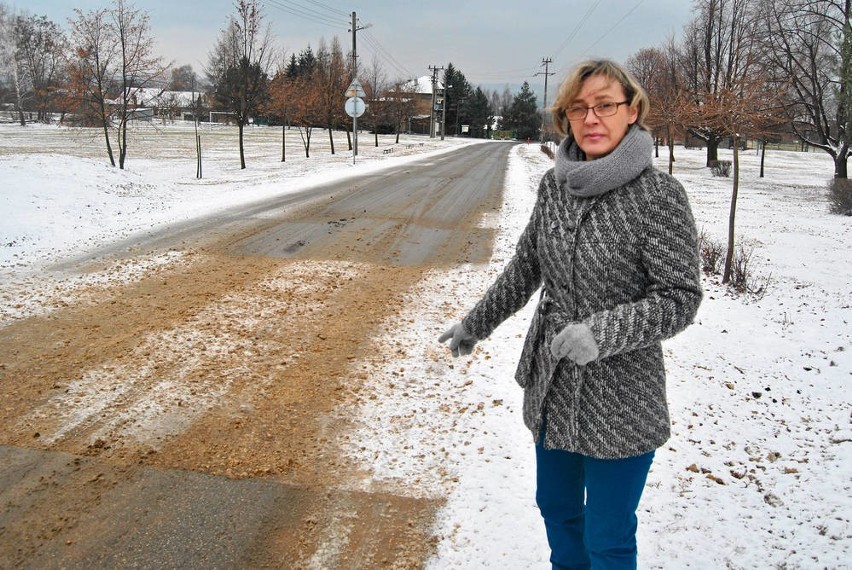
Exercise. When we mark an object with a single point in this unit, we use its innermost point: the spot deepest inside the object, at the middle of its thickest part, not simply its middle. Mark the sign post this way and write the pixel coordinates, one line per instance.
(355, 107)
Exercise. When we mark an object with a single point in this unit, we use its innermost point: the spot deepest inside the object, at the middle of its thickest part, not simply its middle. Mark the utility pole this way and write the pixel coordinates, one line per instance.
(355, 29)
(434, 71)
(545, 61)
(444, 108)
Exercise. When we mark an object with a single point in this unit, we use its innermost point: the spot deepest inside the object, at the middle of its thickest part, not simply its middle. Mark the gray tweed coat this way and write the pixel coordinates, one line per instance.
(626, 264)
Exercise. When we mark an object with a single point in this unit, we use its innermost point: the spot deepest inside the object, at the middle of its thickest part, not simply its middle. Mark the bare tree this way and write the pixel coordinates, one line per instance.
(672, 97)
(41, 48)
(377, 103)
(92, 69)
(294, 94)
(745, 107)
(711, 61)
(183, 78)
(648, 66)
(810, 46)
(239, 64)
(660, 71)
(744, 110)
(137, 65)
(277, 104)
(295, 99)
(330, 79)
(9, 78)
(401, 103)
(113, 60)
(15, 32)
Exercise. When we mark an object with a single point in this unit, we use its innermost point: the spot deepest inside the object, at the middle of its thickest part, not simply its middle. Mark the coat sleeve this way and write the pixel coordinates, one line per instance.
(670, 259)
(515, 285)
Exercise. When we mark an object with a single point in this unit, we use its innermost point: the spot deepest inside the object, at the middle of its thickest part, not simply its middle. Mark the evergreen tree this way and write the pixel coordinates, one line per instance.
(523, 116)
(307, 62)
(292, 69)
(457, 90)
(477, 113)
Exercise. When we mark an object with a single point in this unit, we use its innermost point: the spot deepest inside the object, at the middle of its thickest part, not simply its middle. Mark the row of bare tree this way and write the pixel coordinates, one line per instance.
(93, 72)
(756, 69)
(306, 91)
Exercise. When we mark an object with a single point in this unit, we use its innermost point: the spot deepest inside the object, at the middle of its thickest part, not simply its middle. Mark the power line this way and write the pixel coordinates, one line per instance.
(606, 33)
(306, 10)
(525, 71)
(384, 54)
(329, 8)
(306, 13)
(321, 17)
(580, 23)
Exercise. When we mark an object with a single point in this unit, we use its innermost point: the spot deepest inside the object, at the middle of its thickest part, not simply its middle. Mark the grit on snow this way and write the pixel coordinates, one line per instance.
(758, 471)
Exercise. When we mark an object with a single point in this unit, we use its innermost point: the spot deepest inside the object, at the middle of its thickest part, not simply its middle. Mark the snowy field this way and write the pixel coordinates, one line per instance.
(758, 471)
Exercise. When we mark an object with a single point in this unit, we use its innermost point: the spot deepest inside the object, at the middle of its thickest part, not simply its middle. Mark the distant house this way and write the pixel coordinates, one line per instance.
(421, 90)
(157, 104)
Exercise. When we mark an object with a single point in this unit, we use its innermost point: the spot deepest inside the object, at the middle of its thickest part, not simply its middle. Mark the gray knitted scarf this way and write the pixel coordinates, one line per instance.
(584, 178)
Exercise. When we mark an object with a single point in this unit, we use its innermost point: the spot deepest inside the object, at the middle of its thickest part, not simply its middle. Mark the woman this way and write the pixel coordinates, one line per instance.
(612, 244)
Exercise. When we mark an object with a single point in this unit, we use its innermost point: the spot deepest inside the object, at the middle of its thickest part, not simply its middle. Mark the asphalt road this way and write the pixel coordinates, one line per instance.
(418, 209)
(187, 420)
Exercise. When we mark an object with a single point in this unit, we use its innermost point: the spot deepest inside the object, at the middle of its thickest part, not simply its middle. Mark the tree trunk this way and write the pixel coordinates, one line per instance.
(840, 167)
(671, 149)
(729, 258)
(376, 133)
(284, 143)
(197, 152)
(122, 143)
(105, 122)
(19, 98)
(762, 156)
(124, 110)
(330, 139)
(242, 150)
(306, 140)
(712, 150)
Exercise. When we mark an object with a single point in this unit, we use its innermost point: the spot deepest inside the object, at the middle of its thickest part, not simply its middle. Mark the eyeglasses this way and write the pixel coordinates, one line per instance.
(579, 112)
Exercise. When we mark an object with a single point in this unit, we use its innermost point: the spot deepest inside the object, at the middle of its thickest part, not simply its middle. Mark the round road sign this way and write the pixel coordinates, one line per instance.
(355, 107)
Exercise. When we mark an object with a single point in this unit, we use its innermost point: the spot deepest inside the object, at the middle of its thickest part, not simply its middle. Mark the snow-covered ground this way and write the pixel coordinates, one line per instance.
(758, 471)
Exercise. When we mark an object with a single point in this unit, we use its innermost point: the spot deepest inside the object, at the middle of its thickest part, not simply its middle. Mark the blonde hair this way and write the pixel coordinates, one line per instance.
(572, 85)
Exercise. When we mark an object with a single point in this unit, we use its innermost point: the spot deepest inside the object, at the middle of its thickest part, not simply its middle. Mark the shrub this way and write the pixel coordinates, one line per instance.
(743, 279)
(840, 196)
(720, 168)
(712, 253)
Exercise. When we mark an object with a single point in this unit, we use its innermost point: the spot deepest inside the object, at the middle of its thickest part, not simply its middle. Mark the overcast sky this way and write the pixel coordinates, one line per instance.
(492, 42)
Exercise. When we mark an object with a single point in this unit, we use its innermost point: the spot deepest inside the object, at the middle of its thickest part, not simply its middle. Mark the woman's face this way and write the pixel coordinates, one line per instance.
(598, 136)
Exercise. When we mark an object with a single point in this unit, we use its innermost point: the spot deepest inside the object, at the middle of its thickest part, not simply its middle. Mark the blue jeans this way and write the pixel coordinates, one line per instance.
(589, 507)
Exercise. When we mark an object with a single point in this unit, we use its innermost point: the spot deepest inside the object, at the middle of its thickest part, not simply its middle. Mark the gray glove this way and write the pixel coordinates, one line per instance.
(577, 343)
(461, 341)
